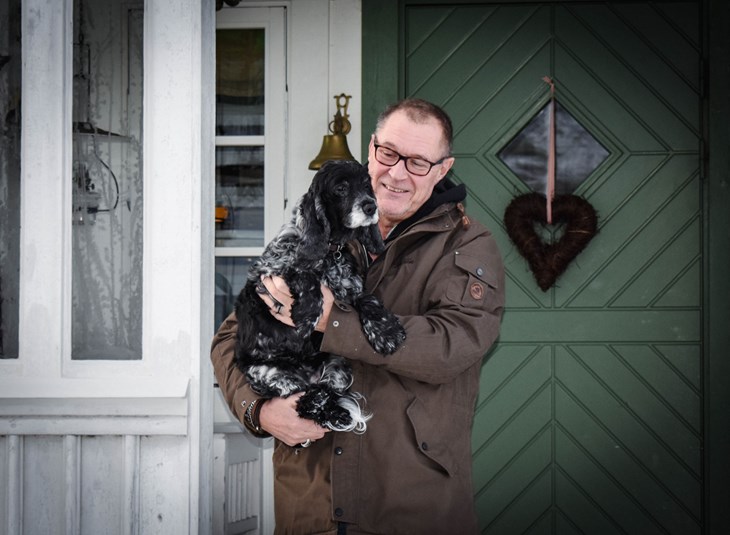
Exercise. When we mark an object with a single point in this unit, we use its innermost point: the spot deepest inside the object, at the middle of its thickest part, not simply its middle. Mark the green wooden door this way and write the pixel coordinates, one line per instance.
(590, 414)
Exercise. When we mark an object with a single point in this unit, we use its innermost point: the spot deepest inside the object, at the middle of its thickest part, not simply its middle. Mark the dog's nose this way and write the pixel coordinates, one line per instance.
(369, 208)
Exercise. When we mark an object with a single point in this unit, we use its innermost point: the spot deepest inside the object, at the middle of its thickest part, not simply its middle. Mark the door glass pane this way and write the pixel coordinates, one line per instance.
(239, 195)
(107, 180)
(230, 277)
(10, 61)
(240, 82)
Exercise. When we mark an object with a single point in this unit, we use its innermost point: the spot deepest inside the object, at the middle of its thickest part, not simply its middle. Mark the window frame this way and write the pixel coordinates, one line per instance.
(273, 21)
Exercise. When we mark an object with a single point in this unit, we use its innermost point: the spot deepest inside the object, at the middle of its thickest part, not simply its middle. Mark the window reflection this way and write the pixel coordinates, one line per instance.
(10, 67)
(239, 193)
(240, 82)
(230, 277)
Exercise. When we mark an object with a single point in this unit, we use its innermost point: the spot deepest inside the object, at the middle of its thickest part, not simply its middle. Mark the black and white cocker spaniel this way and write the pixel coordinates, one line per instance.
(310, 250)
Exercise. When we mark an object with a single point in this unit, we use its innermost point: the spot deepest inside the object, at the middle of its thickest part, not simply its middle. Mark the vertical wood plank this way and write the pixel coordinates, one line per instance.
(14, 513)
(71, 454)
(130, 513)
(43, 485)
(102, 476)
(163, 484)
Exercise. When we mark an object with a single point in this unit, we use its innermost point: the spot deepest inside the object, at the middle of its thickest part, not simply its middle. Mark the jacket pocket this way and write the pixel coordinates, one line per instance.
(471, 289)
(434, 438)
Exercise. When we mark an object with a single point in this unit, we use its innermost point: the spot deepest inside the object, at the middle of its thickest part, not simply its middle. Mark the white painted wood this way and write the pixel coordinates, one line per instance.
(176, 426)
(44, 184)
(218, 508)
(83, 406)
(101, 484)
(72, 459)
(163, 485)
(4, 482)
(201, 410)
(171, 182)
(131, 492)
(44, 485)
(13, 523)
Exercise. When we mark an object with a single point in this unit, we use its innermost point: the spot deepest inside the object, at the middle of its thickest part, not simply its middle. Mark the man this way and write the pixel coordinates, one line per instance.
(442, 275)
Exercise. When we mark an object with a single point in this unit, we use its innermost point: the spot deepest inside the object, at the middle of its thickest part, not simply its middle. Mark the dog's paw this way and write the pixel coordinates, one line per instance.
(320, 404)
(385, 337)
(358, 417)
(381, 327)
(334, 411)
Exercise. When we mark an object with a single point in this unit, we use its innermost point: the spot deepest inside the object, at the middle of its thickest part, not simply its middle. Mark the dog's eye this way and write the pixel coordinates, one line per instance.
(341, 189)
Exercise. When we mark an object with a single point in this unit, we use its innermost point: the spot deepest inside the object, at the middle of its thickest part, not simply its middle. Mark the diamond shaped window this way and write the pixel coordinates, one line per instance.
(577, 152)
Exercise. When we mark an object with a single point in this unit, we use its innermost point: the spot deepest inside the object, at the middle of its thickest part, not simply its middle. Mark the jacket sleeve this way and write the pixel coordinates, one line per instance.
(231, 380)
(454, 324)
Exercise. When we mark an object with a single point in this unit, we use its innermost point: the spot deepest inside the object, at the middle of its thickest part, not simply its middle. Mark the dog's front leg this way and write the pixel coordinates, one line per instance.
(381, 327)
(307, 306)
(271, 381)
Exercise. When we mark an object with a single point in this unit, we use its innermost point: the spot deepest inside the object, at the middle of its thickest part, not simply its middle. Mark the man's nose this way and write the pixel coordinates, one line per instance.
(399, 170)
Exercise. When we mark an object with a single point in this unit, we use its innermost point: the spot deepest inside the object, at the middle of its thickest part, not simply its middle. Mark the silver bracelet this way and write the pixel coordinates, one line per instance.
(249, 416)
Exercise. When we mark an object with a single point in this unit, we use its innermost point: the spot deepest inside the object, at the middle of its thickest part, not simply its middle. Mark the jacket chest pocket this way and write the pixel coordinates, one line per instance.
(477, 282)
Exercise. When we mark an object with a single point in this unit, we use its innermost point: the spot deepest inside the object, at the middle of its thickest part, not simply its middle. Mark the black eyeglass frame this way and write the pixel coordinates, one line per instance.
(406, 159)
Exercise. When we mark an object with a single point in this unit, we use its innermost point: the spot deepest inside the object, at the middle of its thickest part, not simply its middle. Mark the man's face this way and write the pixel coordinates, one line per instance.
(400, 193)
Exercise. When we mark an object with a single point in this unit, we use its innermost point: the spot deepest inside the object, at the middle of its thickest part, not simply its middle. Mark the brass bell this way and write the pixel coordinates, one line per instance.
(334, 145)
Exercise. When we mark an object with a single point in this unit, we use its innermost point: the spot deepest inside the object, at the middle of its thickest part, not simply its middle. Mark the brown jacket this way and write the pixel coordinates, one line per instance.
(410, 472)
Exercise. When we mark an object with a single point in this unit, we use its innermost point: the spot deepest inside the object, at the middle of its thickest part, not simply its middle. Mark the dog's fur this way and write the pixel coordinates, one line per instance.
(308, 251)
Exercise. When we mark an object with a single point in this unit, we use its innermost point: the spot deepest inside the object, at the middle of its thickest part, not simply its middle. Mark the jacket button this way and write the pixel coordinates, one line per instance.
(424, 446)
(480, 271)
(338, 451)
(339, 512)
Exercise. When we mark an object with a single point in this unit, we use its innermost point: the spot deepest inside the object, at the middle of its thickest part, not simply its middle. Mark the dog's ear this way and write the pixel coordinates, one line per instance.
(371, 239)
(314, 224)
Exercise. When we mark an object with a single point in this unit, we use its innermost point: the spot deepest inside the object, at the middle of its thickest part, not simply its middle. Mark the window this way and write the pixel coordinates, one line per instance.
(10, 63)
(106, 210)
(250, 111)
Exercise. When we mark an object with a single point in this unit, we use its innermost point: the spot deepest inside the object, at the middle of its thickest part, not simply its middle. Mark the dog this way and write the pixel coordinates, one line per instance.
(310, 250)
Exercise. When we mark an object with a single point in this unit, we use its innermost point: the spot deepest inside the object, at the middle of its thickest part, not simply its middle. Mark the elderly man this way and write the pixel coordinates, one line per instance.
(442, 275)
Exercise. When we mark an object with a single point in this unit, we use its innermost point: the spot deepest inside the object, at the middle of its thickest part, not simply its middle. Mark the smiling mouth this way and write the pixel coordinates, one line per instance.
(394, 190)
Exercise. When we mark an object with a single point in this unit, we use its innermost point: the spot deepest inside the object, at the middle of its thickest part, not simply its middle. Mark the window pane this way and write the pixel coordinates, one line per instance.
(240, 82)
(10, 62)
(239, 196)
(107, 181)
(230, 277)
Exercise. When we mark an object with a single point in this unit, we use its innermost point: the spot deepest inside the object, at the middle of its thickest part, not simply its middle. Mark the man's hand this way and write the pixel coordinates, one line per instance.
(275, 293)
(279, 418)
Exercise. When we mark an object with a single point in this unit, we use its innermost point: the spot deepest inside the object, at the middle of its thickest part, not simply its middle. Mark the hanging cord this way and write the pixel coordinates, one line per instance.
(114, 177)
(550, 189)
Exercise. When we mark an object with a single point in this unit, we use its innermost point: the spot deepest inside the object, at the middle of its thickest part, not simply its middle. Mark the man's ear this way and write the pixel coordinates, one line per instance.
(446, 166)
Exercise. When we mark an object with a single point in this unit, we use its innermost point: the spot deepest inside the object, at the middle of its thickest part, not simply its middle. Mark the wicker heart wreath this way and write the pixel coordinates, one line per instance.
(549, 260)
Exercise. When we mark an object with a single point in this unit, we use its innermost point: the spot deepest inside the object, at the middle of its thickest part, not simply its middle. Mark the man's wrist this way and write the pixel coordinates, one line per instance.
(251, 417)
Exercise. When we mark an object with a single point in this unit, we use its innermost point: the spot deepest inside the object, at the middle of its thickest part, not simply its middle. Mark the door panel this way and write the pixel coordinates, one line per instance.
(590, 413)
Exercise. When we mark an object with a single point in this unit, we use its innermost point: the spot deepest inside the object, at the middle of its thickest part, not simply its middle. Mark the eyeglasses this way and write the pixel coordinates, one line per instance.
(416, 166)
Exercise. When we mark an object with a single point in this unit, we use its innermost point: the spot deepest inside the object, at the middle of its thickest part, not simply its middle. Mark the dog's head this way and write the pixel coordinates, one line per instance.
(339, 207)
